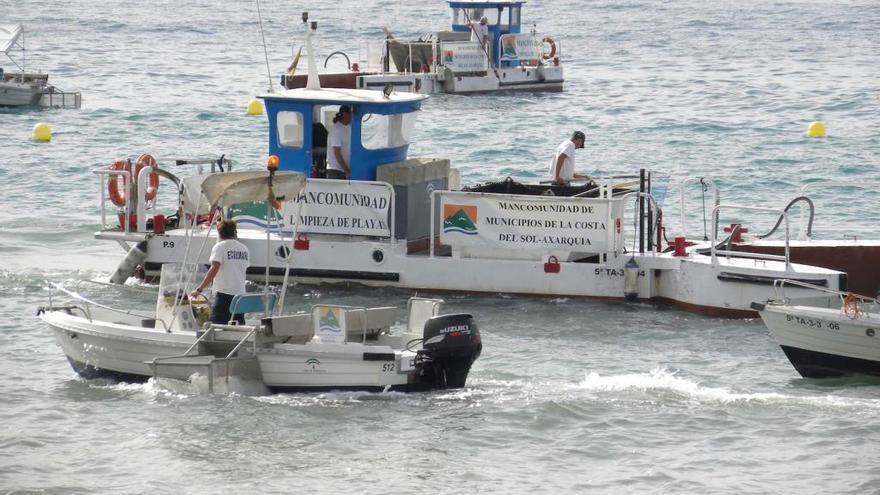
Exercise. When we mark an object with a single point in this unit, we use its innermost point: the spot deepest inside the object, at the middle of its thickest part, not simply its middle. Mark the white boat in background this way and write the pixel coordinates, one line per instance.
(331, 347)
(827, 334)
(450, 61)
(21, 88)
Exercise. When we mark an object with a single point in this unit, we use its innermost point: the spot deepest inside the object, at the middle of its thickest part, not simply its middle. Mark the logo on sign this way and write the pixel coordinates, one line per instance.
(508, 47)
(313, 362)
(460, 219)
(329, 321)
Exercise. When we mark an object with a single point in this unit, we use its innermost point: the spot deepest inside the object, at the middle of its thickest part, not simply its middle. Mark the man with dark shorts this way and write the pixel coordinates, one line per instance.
(230, 260)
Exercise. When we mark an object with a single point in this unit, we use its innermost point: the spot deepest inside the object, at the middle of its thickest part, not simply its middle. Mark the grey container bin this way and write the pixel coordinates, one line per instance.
(414, 180)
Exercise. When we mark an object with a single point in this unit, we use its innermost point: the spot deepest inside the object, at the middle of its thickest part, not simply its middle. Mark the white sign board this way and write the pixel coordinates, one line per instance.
(341, 207)
(326, 207)
(519, 46)
(463, 56)
(534, 223)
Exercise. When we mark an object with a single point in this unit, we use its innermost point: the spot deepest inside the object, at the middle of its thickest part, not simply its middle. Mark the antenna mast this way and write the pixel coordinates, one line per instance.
(265, 51)
(313, 81)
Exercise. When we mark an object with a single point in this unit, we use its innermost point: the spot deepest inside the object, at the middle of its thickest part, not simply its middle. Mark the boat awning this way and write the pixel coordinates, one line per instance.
(238, 187)
(9, 34)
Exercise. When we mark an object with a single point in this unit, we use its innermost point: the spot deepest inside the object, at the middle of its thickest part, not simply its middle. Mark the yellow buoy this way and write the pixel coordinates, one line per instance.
(42, 132)
(255, 107)
(816, 129)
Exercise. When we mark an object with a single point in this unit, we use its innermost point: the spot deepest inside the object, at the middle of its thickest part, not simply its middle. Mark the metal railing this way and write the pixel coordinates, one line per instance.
(61, 99)
(744, 254)
(779, 293)
(89, 303)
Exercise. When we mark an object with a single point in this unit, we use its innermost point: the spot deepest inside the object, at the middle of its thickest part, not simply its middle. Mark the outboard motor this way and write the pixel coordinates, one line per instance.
(450, 345)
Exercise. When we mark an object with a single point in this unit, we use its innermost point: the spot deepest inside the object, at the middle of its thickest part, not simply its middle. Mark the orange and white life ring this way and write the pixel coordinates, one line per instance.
(552, 53)
(117, 195)
(147, 160)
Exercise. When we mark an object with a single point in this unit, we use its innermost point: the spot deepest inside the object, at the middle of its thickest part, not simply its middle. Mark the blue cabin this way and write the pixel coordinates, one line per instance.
(503, 18)
(380, 130)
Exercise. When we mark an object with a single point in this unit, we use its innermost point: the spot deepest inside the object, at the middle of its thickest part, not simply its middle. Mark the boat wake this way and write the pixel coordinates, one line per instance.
(666, 384)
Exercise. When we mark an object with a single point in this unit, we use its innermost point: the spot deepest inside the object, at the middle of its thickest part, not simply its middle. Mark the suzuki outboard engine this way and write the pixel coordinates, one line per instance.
(450, 345)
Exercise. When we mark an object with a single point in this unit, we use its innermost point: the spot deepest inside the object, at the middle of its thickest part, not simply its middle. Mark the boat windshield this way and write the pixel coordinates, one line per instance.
(387, 131)
(461, 16)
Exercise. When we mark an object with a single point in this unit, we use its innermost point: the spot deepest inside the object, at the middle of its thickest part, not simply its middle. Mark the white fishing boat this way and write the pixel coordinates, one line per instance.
(20, 87)
(827, 334)
(330, 347)
(452, 61)
(405, 222)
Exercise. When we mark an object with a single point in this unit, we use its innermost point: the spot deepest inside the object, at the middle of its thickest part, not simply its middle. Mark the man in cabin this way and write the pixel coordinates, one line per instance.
(339, 144)
(480, 34)
(562, 167)
(230, 260)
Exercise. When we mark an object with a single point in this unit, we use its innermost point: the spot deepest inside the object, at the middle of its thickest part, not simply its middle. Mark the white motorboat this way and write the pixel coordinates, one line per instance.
(404, 222)
(20, 88)
(828, 334)
(330, 347)
(450, 61)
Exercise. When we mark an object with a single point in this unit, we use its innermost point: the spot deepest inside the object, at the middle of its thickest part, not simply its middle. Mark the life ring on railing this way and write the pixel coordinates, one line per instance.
(117, 196)
(113, 191)
(549, 41)
(147, 160)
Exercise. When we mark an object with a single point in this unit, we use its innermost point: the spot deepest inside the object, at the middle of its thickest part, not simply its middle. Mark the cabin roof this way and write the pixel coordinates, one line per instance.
(340, 96)
(484, 3)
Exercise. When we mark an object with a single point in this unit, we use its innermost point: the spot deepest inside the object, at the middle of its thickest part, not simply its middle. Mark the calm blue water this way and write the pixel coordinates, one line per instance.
(569, 395)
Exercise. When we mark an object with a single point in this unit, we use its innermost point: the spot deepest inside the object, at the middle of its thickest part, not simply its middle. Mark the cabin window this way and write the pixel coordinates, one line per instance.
(461, 17)
(290, 129)
(514, 16)
(386, 131)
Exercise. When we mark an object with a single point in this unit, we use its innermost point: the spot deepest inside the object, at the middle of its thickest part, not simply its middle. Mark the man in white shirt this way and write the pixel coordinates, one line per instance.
(480, 31)
(339, 145)
(480, 34)
(230, 260)
(562, 167)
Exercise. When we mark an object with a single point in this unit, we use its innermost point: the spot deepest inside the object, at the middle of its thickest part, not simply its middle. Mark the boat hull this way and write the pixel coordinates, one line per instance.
(813, 364)
(823, 343)
(107, 350)
(540, 78)
(726, 287)
(13, 94)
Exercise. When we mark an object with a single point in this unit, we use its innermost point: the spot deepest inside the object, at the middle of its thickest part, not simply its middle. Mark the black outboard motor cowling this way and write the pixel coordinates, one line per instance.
(451, 344)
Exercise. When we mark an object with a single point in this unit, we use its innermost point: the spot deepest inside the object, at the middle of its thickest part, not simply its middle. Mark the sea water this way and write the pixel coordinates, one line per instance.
(570, 395)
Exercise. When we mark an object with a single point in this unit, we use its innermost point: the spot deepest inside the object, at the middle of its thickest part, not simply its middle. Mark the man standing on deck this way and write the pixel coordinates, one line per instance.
(562, 167)
(480, 34)
(229, 264)
(339, 145)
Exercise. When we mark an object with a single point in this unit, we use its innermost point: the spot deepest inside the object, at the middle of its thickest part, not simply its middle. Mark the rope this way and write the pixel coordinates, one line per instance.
(852, 306)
